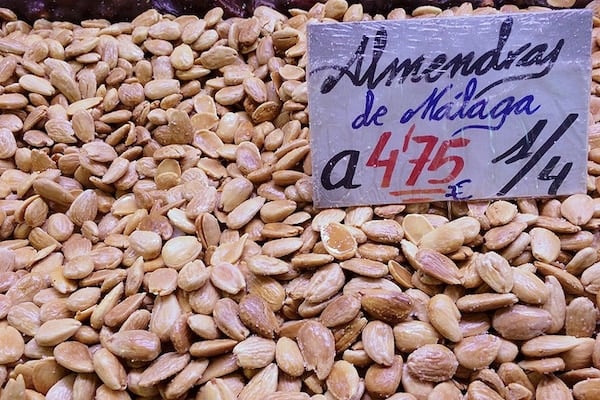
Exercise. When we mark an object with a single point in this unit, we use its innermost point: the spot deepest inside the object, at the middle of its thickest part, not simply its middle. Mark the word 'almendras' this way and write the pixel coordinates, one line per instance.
(468, 64)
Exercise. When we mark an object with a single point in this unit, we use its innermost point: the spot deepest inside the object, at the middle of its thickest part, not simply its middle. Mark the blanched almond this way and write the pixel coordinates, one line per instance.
(317, 345)
(432, 363)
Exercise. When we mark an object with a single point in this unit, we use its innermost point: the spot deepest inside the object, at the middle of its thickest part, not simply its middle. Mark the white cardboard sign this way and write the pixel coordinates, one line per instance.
(449, 108)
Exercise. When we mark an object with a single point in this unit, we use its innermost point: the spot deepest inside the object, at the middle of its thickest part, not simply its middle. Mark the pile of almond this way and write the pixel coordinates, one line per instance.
(159, 241)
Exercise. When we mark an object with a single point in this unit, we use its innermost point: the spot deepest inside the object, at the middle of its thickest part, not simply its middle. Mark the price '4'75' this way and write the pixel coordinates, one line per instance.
(425, 158)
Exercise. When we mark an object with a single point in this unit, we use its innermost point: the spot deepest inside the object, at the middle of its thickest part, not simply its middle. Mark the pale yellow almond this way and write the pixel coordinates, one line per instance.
(477, 352)
(185, 379)
(320, 357)
(338, 241)
(160, 88)
(343, 380)
(501, 236)
(215, 389)
(162, 281)
(12, 345)
(528, 287)
(235, 192)
(282, 247)
(193, 276)
(8, 143)
(266, 265)
(341, 311)
(12, 101)
(551, 387)
(590, 278)
(288, 356)
(548, 345)
(556, 225)
(444, 316)
(255, 313)
(521, 322)
(378, 252)
(84, 208)
(109, 370)
(25, 317)
(485, 301)
(583, 259)
(587, 389)
(181, 250)
(226, 316)
(165, 312)
(577, 208)
(469, 226)
(378, 340)
(255, 352)
(365, 267)
(444, 239)
(261, 384)
(55, 331)
(145, 243)
(267, 288)
(384, 231)
(416, 226)
(227, 277)
(411, 335)
(432, 363)
(384, 381)
(324, 283)
(479, 390)
(229, 251)
(545, 245)
(576, 241)
(216, 347)
(106, 304)
(168, 364)
(508, 351)
(74, 356)
(388, 306)
(244, 212)
(543, 365)
(495, 271)
(556, 304)
(136, 345)
(438, 266)
(203, 326)
(517, 247)
(182, 57)
(256, 89)
(277, 210)
(580, 318)
(324, 217)
(501, 212)
(218, 57)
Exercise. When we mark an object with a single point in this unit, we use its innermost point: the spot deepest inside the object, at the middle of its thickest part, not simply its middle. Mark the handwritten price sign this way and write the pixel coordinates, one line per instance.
(449, 109)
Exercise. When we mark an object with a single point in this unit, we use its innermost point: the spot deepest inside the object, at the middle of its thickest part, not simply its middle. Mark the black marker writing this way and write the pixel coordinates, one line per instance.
(460, 64)
(522, 149)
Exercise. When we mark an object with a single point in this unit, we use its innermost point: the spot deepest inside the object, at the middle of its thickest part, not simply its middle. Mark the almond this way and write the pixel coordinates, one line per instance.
(388, 306)
(432, 363)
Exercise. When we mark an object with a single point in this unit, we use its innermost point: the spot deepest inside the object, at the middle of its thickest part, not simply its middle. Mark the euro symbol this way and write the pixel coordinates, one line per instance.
(455, 192)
